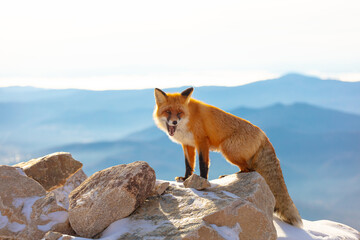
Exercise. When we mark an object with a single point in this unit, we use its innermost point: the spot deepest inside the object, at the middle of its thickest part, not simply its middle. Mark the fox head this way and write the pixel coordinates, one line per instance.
(171, 110)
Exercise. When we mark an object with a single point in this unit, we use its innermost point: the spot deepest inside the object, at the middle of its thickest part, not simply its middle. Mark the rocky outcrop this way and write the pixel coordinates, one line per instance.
(27, 211)
(52, 170)
(197, 182)
(109, 195)
(238, 206)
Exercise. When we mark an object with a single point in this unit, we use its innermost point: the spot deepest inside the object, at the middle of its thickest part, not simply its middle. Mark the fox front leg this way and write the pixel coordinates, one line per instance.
(189, 153)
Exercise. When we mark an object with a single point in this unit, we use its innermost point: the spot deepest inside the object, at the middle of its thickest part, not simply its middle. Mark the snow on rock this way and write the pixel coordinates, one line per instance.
(26, 205)
(228, 233)
(312, 230)
(109, 195)
(54, 218)
(127, 225)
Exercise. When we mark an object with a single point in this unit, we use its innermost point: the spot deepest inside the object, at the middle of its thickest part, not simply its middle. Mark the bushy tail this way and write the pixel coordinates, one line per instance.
(266, 163)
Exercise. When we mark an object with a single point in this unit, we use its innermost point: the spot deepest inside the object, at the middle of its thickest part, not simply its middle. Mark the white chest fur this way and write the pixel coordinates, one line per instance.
(183, 135)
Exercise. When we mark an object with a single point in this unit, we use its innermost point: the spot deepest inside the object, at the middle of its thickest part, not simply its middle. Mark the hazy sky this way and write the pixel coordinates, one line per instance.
(142, 44)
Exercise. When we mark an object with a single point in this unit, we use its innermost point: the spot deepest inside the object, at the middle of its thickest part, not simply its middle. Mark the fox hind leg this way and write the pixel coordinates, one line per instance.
(204, 160)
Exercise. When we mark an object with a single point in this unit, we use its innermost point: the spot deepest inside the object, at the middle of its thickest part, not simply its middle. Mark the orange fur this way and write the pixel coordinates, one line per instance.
(197, 125)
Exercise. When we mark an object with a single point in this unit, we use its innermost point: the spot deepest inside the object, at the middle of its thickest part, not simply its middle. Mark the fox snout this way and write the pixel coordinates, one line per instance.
(173, 123)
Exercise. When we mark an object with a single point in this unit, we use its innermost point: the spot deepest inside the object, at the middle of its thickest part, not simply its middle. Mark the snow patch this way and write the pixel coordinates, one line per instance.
(90, 195)
(222, 181)
(205, 194)
(177, 184)
(62, 195)
(12, 226)
(126, 225)
(313, 230)
(3, 221)
(55, 218)
(16, 227)
(229, 194)
(26, 205)
(228, 233)
(199, 203)
(21, 171)
(168, 195)
(72, 237)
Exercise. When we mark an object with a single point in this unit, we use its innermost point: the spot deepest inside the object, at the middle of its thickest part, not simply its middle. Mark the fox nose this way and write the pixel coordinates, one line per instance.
(174, 122)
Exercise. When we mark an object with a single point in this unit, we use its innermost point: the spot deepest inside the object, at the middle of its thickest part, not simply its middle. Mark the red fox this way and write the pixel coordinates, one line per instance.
(200, 127)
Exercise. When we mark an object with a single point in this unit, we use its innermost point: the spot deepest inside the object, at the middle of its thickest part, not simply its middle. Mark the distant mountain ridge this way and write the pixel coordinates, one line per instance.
(108, 115)
(287, 89)
(302, 117)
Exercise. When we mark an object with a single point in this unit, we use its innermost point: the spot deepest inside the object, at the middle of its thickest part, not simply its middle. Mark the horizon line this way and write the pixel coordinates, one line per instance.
(113, 82)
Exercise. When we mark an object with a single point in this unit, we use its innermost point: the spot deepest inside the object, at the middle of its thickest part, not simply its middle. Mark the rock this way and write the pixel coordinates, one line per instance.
(62, 193)
(52, 170)
(109, 195)
(26, 210)
(159, 188)
(239, 206)
(197, 182)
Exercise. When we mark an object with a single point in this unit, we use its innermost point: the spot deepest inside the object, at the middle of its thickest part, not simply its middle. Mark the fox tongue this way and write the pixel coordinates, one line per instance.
(171, 130)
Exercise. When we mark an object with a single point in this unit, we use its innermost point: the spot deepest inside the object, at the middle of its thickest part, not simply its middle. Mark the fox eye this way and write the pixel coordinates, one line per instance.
(168, 112)
(179, 114)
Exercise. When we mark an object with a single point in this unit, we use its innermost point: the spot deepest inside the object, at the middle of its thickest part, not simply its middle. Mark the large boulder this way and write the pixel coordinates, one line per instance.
(52, 170)
(27, 211)
(109, 195)
(239, 206)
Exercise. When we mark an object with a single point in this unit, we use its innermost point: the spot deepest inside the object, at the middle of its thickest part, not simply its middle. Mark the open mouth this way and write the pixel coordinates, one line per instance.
(171, 129)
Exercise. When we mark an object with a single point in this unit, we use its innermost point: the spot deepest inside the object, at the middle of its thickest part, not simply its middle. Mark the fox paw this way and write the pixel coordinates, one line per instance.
(222, 176)
(180, 179)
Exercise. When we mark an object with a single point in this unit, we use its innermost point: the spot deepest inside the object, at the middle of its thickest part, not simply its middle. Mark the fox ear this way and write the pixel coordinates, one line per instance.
(187, 93)
(160, 96)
